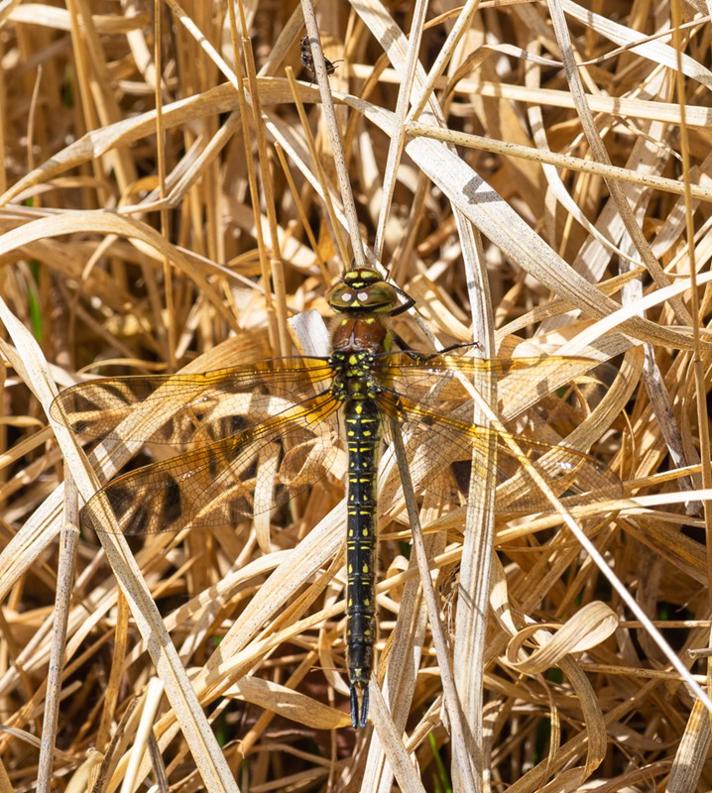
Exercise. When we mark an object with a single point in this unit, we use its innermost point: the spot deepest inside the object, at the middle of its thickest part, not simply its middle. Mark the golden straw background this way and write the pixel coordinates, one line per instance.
(536, 175)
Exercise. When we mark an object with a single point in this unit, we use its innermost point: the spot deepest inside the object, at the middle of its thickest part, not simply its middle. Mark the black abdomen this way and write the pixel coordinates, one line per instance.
(363, 435)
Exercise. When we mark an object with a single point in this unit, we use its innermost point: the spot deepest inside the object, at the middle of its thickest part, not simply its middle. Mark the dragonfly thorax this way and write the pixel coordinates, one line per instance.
(355, 334)
(354, 374)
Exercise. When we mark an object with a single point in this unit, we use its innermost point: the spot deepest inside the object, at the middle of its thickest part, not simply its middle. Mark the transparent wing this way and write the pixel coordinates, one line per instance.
(441, 448)
(188, 408)
(422, 377)
(220, 483)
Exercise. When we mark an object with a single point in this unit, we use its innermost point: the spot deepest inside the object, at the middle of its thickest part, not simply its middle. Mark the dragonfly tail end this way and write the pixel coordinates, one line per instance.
(359, 716)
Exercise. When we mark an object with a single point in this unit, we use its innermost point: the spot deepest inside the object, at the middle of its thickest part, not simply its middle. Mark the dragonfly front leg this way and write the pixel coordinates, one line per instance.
(424, 357)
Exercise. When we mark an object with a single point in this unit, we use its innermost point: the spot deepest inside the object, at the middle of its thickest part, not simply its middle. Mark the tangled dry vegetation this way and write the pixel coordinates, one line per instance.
(170, 201)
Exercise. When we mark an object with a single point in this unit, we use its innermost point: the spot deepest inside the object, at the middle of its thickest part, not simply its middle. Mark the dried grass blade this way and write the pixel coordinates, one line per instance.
(65, 578)
(288, 703)
(208, 757)
(450, 694)
(498, 221)
(689, 761)
(655, 51)
(393, 745)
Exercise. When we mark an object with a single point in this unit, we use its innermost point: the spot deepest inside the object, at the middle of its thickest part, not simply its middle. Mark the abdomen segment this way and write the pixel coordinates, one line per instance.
(363, 436)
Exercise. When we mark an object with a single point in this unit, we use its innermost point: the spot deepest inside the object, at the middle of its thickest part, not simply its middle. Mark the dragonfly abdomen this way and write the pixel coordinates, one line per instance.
(363, 436)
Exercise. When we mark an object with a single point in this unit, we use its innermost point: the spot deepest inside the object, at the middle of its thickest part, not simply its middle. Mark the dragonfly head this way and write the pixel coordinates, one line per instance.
(363, 291)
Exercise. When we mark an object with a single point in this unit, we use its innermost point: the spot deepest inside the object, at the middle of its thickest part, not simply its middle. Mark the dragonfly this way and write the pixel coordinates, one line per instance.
(311, 414)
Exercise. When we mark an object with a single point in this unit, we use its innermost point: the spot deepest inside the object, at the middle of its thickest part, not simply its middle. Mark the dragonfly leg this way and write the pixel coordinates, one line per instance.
(424, 357)
(403, 307)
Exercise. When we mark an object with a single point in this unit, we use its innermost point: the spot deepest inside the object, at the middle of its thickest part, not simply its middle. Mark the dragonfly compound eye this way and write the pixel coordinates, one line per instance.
(363, 293)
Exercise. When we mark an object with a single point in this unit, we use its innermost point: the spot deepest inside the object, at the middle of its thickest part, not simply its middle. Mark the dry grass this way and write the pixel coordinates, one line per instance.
(136, 241)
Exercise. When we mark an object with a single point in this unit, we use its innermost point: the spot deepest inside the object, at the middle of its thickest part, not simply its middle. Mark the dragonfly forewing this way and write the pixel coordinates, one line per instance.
(188, 408)
(519, 381)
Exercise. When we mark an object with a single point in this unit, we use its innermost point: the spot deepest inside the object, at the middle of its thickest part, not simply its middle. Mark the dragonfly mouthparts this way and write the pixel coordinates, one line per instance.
(359, 715)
